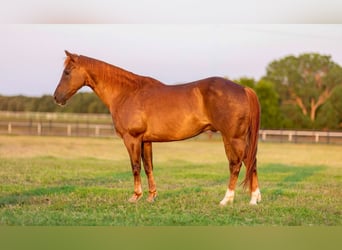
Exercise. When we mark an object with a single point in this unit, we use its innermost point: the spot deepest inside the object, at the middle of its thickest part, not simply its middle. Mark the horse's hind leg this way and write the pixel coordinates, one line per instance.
(254, 188)
(148, 166)
(235, 151)
(255, 195)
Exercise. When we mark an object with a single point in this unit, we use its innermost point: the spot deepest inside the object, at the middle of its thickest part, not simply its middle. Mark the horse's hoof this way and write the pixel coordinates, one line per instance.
(228, 198)
(135, 198)
(151, 197)
(256, 197)
(224, 203)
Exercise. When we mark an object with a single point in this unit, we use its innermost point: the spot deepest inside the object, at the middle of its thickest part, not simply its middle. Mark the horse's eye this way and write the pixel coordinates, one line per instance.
(67, 72)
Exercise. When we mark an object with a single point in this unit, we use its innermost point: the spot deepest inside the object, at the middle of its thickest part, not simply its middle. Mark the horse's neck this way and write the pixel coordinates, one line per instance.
(111, 83)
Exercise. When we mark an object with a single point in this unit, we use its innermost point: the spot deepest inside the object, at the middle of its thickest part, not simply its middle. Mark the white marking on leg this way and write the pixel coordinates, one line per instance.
(255, 197)
(229, 197)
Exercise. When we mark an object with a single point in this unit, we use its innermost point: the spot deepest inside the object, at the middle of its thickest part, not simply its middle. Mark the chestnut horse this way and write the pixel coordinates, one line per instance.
(145, 110)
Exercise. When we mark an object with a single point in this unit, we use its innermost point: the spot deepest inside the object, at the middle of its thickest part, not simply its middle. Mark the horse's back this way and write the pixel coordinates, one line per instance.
(222, 94)
(221, 87)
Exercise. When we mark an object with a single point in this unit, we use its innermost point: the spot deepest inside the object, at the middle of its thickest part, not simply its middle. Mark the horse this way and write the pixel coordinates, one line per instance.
(144, 111)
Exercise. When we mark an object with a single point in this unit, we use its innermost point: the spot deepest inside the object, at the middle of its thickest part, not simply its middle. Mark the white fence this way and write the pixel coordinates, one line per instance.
(296, 136)
(56, 129)
(105, 130)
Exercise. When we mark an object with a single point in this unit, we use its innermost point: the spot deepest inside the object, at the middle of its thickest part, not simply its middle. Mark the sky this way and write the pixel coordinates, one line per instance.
(173, 41)
(171, 11)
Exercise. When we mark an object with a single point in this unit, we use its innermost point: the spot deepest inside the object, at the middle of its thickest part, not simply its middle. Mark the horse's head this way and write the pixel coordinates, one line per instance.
(73, 78)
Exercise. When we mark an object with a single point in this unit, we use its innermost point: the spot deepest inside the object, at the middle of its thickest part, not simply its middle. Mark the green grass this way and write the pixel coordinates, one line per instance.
(87, 181)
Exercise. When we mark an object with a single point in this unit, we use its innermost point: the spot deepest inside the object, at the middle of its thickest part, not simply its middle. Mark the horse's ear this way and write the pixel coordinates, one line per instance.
(73, 57)
(67, 53)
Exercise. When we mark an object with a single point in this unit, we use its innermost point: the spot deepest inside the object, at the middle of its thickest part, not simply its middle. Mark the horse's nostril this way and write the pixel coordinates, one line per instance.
(57, 100)
(60, 101)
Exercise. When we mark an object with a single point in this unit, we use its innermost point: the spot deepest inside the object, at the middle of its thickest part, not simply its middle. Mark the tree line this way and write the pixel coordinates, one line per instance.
(82, 102)
(297, 92)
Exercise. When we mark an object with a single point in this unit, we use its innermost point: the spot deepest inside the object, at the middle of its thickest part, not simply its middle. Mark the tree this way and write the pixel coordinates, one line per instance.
(307, 81)
(330, 114)
(269, 102)
(80, 103)
(336, 101)
(246, 81)
(45, 104)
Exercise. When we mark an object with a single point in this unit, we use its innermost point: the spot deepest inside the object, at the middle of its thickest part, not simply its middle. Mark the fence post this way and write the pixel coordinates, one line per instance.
(39, 128)
(263, 136)
(316, 137)
(97, 130)
(69, 130)
(290, 136)
(9, 128)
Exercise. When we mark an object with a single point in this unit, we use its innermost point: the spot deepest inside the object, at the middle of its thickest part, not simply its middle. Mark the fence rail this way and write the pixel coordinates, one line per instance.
(56, 129)
(51, 128)
(297, 136)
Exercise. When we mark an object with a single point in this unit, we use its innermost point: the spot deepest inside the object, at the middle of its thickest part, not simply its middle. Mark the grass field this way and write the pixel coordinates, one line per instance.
(87, 181)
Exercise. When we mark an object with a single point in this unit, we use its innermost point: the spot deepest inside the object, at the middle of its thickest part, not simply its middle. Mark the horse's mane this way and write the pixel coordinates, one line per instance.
(108, 72)
(112, 74)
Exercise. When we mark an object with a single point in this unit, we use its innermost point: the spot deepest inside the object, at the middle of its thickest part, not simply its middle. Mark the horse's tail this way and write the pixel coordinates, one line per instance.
(253, 135)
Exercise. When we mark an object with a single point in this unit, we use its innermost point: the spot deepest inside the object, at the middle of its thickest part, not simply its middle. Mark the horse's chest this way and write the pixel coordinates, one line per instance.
(129, 120)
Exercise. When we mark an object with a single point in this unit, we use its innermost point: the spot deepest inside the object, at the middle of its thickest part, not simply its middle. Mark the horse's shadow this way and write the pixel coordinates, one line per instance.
(25, 197)
(292, 174)
(43, 194)
(283, 180)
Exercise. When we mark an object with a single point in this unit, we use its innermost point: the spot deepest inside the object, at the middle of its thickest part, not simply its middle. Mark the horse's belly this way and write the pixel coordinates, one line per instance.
(174, 130)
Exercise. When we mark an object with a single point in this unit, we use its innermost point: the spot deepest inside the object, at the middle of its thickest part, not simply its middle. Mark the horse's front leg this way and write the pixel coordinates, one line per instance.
(133, 146)
(148, 165)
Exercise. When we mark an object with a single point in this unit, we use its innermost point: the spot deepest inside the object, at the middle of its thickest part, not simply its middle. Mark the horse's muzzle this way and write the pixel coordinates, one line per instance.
(59, 100)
